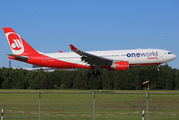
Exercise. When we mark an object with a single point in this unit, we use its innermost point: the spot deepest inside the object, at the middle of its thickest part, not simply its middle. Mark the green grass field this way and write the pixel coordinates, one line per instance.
(78, 105)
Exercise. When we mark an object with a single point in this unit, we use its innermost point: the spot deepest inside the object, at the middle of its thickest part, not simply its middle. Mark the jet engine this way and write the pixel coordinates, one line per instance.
(120, 65)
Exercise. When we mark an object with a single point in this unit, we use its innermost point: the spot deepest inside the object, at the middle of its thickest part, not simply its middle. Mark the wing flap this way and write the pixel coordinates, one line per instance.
(91, 59)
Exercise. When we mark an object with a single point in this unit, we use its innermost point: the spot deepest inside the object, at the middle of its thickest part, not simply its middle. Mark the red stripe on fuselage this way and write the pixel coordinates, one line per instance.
(145, 64)
(46, 61)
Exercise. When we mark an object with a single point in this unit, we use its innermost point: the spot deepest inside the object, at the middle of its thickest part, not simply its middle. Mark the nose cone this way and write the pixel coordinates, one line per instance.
(174, 56)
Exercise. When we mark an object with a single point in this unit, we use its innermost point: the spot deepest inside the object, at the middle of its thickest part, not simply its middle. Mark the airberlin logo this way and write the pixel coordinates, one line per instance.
(16, 45)
(15, 42)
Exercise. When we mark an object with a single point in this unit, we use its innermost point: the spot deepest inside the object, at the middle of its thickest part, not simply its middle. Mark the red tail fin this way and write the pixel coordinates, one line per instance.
(17, 44)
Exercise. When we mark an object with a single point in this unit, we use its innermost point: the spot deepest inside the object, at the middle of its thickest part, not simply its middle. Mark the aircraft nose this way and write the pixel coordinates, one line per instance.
(174, 56)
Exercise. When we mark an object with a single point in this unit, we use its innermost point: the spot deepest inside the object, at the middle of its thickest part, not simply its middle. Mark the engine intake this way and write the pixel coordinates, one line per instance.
(120, 66)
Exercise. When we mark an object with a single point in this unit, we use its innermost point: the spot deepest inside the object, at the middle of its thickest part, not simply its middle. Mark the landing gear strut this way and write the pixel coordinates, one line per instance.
(158, 67)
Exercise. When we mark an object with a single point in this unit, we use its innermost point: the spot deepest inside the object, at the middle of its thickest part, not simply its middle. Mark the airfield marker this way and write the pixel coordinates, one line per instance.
(145, 83)
(39, 105)
(147, 95)
(93, 105)
(143, 115)
(2, 115)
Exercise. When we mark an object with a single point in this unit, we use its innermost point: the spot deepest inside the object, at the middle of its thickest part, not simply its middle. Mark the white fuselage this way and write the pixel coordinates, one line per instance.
(134, 57)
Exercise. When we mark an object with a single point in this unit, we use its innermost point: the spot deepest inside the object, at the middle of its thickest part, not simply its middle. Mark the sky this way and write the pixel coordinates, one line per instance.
(90, 25)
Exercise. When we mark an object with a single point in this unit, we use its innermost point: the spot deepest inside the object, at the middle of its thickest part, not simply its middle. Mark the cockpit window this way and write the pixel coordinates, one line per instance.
(169, 52)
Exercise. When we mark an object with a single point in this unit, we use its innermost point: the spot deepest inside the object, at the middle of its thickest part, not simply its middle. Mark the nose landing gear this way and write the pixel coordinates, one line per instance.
(158, 67)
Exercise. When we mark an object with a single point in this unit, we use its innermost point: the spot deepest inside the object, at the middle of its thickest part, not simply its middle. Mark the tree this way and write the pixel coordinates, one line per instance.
(33, 84)
(137, 82)
(67, 80)
(20, 82)
(6, 83)
(167, 78)
(1, 79)
(117, 82)
(80, 81)
(107, 79)
(177, 80)
(56, 77)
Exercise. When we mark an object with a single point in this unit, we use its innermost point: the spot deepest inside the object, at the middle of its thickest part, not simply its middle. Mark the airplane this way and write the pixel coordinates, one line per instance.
(119, 60)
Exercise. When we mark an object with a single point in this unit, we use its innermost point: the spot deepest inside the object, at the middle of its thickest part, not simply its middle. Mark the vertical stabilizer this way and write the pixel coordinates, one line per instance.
(17, 44)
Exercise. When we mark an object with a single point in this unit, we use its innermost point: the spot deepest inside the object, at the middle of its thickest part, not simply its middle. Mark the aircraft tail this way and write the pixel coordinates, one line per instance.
(17, 44)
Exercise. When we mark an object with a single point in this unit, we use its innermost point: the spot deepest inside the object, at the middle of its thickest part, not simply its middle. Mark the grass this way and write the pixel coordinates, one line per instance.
(78, 104)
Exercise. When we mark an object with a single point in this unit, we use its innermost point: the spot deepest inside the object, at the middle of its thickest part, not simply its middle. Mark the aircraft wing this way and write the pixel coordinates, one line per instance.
(91, 59)
(23, 58)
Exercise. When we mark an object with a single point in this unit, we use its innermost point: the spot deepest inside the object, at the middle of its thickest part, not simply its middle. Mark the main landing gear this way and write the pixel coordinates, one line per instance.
(93, 74)
(158, 67)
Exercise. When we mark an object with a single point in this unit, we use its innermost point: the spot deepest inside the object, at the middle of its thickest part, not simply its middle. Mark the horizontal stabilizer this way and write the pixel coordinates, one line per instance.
(23, 58)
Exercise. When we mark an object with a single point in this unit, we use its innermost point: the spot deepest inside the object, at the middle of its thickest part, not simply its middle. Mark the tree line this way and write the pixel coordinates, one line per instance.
(165, 79)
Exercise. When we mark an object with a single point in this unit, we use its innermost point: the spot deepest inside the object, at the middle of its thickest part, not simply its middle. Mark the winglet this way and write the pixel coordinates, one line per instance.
(73, 47)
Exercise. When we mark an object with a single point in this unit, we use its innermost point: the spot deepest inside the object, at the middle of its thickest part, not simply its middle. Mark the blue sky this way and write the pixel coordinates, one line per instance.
(51, 25)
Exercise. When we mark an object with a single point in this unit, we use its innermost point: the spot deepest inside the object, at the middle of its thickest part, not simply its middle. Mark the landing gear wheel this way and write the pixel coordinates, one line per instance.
(94, 74)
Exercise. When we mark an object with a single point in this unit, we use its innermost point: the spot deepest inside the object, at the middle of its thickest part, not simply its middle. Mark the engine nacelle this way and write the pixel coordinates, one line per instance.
(120, 66)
